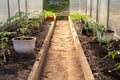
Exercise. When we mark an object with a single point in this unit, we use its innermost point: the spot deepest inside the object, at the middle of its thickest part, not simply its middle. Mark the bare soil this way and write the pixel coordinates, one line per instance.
(102, 68)
(62, 60)
(18, 66)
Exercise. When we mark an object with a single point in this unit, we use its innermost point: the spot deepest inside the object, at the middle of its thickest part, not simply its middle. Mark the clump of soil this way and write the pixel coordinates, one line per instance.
(18, 66)
(102, 68)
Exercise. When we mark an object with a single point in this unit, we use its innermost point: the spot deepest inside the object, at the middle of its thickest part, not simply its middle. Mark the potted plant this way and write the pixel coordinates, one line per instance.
(49, 15)
(23, 43)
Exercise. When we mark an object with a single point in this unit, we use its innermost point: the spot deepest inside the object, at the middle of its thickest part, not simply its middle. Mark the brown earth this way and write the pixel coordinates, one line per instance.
(19, 66)
(101, 68)
(62, 60)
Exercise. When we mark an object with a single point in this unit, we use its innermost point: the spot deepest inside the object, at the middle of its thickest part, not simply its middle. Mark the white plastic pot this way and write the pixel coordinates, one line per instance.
(24, 46)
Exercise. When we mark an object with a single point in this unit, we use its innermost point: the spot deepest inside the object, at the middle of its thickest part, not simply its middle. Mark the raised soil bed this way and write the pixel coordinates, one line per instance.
(18, 66)
(101, 67)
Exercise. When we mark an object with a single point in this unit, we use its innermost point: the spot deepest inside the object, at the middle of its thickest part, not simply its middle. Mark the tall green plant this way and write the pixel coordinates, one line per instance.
(24, 23)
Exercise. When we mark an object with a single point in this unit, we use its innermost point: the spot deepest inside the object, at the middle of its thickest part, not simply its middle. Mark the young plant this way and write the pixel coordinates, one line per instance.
(75, 17)
(37, 19)
(49, 15)
(85, 19)
(113, 54)
(108, 44)
(24, 23)
(98, 31)
(3, 44)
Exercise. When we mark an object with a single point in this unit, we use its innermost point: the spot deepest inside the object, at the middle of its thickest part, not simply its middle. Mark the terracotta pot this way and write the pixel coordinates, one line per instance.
(49, 18)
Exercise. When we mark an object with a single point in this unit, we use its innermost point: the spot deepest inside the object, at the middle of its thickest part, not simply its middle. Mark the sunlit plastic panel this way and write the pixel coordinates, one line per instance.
(114, 22)
(102, 12)
(3, 10)
(94, 9)
(35, 5)
(13, 7)
(88, 7)
(75, 6)
(22, 6)
(83, 6)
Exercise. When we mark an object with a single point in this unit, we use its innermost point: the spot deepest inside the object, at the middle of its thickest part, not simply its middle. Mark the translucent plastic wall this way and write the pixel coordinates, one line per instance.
(9, 8)
(22, 5)
(102, 12)
(114, 16)
(94, 9)
(75, 6)
(83, 6)
(88, 7)
(3, 10)
(13, 7)
(34, 5)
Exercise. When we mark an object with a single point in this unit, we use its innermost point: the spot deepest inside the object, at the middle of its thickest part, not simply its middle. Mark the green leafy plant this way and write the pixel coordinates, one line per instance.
(3, 44)
(108, 43)
(75, 17)
(113, 54)
(117, 66)
(24, 23)
(49, 13)
(98, 31)
(37, 18)
(85, 19)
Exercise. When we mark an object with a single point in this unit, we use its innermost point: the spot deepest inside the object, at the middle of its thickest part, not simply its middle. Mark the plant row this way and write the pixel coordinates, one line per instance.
(100, 35)
(17, 27)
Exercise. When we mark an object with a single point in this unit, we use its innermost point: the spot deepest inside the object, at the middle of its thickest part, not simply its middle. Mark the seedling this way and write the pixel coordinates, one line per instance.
(24, 23)
(3, 44)
(85, 19)
(75, 17)
(49, 15)
(108, 44)
(113, 54)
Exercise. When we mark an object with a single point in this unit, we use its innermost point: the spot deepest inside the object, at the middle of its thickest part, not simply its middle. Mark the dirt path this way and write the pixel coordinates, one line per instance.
(62, 61)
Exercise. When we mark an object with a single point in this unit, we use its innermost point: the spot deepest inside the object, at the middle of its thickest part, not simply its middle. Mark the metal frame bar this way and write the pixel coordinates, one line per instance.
(108, 13)
(8, 3)
(97, 19)
(26, 6)
(91, 8)
(18, 5)
(86, 6)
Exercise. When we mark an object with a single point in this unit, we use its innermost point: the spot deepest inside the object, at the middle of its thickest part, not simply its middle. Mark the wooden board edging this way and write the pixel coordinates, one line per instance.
(36, 70)
(83, 60)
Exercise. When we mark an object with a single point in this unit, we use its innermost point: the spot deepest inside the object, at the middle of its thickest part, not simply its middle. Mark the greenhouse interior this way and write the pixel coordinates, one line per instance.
(59, 39)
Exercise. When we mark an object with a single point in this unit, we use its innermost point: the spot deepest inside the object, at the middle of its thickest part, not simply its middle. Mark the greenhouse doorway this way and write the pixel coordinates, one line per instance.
(60, 7)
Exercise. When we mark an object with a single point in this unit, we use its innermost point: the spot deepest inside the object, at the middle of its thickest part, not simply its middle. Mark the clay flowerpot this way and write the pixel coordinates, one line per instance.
(49, 18)
(26, 45)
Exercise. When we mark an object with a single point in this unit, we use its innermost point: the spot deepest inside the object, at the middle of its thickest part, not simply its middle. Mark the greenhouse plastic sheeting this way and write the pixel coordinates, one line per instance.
(22, 6)
(103, 5)
(3, 10)
(83, 6)
(34, 5)
(13, 7)
(74, 6)
(114, 18)
(88, 7)
(94, 9)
